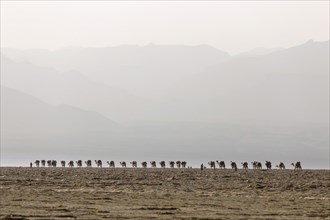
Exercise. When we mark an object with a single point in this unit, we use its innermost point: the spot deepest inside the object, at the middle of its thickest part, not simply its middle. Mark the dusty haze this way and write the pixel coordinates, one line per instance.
(193, 81)
(234, 27)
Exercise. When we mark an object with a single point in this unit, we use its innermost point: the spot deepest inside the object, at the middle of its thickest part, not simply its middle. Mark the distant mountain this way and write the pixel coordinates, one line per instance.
(286, 86)
(259, 51)
(71, 88)
(180, 82)
(24, 114)
(135, 68)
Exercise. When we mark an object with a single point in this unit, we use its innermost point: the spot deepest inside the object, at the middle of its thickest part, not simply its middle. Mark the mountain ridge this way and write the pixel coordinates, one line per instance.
(269, 87)
(25, 113)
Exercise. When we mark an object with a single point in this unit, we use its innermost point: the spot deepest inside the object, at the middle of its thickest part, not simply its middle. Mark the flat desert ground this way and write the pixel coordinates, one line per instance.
(127, 193)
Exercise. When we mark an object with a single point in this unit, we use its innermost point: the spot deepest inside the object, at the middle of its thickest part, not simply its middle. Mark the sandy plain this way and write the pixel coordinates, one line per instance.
(127, 193)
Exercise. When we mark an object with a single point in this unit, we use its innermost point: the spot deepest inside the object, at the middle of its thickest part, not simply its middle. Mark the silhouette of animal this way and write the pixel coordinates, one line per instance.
(111, 164)
(221, 164)
(134, 164)
(297, 165)
(54, 163)
(71, 163)
(79, 163)
(233, 165)
(212, 164)
(37, 162)
(245, 165)
(153, 164)
(98, 163)
(88, 163)
(268, 165)
(281, 166)
(49, 163)
(256, 165)
(162, 164)
(123, 164)
(144, 164)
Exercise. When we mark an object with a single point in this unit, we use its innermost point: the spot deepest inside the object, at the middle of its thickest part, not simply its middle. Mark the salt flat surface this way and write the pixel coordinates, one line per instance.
(96, 193)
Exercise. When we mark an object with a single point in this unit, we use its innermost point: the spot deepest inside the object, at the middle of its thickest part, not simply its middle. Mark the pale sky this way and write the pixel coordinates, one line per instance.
(230, 26)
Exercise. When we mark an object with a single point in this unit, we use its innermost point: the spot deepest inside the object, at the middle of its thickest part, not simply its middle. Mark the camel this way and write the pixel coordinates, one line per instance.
(183, 164)
(212, 164)
(171, 164)
(43, 163)
(256, 165)
(88, 163)
(37, 162)
(162, 164)
(268, 165)
(134, 164)
(54, 163)
(245, 165)
(71, 163)
(49, 163)
(153, 164)
(79, 163)
(221, 164)
(178, 164)
(111, 164)
(144, 164)
(281, 166)
(98, 163)
(123, 164)
(297, 165)
(233, 165)
(63, 163)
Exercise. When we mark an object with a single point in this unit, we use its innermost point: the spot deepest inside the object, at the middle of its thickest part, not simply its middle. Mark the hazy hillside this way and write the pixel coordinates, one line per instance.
(71, 88)
(259, 51)
(180, 82)
(22, 113)
(287, 86)
(135, 68)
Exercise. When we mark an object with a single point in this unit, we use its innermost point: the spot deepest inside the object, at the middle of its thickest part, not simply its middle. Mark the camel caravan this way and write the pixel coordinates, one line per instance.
(50, 163)
(256, 165)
